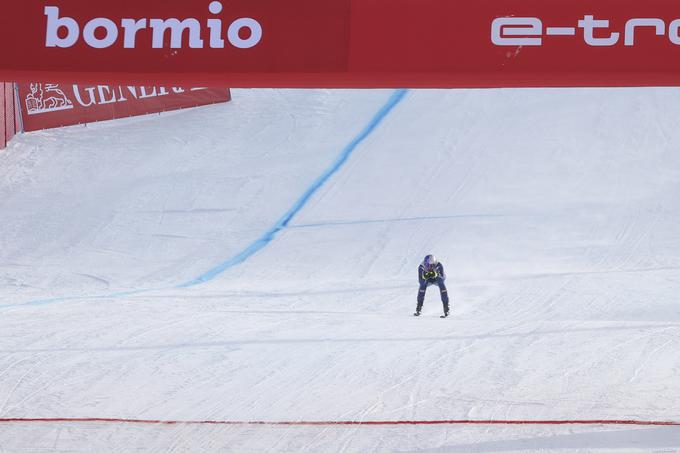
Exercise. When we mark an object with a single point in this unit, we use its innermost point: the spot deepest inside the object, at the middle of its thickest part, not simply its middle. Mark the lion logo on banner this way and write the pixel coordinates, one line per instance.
(47, 98)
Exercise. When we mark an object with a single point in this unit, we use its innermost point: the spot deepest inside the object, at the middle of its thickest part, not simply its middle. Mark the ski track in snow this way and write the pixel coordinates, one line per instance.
(554, 211)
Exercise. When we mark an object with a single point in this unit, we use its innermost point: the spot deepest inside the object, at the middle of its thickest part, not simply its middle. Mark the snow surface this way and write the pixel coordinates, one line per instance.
(555, 213)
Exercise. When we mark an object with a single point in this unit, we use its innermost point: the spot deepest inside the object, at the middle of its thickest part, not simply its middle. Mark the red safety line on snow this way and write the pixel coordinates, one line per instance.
(342, 423)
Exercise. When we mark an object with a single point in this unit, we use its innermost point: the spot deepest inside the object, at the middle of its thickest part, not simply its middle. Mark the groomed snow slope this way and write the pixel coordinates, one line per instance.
(555, 212)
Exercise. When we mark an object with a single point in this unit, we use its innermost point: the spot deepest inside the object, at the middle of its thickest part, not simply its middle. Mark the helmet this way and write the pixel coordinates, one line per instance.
(430, 262)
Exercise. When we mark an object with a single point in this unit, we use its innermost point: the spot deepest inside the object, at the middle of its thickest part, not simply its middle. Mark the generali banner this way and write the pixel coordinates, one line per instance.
(345, 43)
(48, 105)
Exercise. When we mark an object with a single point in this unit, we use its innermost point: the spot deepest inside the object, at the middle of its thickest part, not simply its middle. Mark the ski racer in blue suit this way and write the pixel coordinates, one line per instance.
(431, 272)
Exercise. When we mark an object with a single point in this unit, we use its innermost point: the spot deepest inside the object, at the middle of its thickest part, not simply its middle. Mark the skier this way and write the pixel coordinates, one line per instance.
(431, 272)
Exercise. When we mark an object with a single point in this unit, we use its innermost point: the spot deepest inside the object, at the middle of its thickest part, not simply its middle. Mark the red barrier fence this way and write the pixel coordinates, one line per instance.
(345, 43)
(48, 105)
(9, 114)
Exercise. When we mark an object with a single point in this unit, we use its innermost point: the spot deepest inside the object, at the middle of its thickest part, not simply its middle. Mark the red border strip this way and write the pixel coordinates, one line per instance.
(341, 423)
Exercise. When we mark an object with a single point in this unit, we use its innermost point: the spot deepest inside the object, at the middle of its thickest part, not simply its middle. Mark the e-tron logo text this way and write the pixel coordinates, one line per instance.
(101, 32)
(529, 31)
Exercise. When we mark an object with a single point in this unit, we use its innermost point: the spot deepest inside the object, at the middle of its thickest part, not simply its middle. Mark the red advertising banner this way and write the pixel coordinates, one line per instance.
(48, 105)
(345, 43)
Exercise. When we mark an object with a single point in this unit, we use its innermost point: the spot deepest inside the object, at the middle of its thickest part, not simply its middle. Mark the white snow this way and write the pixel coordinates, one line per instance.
(555, 212)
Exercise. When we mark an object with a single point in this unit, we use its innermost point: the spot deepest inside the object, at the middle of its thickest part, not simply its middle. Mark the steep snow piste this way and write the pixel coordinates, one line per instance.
(256, 261)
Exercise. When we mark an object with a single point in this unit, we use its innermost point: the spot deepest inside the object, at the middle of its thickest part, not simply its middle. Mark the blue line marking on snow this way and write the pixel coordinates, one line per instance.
(283, 222)
(267, 237)
(396, 220)
(73, 298)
